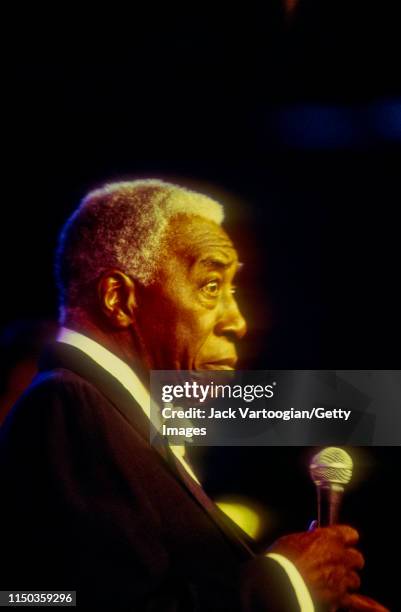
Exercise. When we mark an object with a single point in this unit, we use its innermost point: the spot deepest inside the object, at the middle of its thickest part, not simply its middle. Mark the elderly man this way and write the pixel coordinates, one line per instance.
(146, 280)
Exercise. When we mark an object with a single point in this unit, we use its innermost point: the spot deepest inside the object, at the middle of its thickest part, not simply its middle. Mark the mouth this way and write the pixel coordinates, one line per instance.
(220, 364)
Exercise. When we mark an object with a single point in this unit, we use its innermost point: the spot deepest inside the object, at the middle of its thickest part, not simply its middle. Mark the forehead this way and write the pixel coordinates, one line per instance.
(195, 239)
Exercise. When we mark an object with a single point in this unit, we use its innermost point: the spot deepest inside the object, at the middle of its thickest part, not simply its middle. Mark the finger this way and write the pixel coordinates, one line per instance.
(352, 581)
(313, 525)
(361, 603)
(348, 534)
(355, 558)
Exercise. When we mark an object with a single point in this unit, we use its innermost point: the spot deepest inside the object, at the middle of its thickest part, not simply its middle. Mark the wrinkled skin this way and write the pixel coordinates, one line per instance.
(328, 562)
(188, 319)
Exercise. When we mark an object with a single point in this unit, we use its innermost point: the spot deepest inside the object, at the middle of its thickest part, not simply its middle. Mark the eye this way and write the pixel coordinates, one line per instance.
(212, 288)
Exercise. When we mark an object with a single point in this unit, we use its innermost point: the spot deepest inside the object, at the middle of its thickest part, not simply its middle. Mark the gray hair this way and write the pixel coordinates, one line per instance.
(121, 225)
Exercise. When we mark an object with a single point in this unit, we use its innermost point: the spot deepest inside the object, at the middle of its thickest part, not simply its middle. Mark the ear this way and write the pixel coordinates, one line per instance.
(116, 294)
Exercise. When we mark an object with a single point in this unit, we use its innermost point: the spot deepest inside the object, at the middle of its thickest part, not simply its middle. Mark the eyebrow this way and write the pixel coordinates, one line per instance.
(215, 262)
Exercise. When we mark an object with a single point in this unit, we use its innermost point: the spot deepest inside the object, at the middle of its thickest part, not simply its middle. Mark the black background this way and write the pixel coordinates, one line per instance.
(200, 99)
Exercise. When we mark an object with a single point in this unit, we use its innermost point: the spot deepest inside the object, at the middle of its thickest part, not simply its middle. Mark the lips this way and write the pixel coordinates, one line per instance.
(220, 364)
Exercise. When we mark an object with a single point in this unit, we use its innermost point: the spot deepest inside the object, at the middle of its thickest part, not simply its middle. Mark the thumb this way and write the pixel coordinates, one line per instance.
(361, 603)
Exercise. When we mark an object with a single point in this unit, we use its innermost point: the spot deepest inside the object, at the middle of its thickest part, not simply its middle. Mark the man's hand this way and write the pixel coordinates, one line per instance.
(326, 559)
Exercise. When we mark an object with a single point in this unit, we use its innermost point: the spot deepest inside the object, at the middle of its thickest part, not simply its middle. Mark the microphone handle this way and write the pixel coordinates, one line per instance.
(328, 504)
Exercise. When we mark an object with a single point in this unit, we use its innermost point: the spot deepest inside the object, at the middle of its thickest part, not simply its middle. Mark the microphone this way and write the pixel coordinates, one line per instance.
(330, 470)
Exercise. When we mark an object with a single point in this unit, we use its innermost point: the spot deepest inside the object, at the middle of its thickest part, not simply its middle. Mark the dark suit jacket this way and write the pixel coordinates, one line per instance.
(88, 505)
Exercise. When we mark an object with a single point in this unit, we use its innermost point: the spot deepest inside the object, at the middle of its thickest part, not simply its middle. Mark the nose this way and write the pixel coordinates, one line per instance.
(231, 321)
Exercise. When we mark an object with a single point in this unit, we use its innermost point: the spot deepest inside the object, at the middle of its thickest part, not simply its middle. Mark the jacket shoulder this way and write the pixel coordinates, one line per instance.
(55, 395)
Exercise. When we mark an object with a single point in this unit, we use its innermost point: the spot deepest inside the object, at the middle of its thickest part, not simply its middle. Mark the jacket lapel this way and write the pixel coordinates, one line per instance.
(65, 356)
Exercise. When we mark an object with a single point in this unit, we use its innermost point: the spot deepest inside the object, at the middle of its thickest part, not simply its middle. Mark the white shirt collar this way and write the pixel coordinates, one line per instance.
(125, 375)
(111, 363)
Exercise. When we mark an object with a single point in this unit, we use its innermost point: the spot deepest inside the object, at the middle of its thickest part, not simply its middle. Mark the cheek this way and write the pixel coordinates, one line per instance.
(163, 317)
(176, 324)
(193, 328)
(156, 319)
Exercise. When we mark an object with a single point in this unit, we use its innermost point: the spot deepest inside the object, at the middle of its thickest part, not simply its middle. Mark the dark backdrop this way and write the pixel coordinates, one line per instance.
(294, 120)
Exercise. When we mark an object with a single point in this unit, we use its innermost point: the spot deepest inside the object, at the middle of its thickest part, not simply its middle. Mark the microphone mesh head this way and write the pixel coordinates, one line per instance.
(331, 466)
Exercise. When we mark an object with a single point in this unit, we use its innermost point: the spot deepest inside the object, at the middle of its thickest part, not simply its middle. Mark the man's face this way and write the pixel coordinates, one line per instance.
(188, 318)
